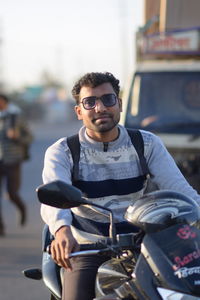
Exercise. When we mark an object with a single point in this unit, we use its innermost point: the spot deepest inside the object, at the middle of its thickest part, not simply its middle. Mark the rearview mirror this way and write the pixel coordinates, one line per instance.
(60, 194)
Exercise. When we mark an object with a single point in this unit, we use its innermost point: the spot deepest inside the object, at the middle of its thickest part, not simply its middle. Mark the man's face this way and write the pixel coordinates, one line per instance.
(100, 118)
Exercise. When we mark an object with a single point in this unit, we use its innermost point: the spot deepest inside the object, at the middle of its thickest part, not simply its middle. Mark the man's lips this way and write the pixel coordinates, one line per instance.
(102, 117)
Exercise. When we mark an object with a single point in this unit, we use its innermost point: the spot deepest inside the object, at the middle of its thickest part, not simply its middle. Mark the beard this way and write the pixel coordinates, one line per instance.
(101, 125)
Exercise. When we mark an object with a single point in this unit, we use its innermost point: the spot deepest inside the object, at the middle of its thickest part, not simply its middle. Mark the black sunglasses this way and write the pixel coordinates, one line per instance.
(108, 100)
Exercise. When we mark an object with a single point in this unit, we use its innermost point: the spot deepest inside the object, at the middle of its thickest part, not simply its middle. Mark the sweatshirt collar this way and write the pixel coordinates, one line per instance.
(89, 142)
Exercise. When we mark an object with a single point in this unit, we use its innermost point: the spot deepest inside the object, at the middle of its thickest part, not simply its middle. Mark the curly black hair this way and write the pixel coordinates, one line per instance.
(93, 80)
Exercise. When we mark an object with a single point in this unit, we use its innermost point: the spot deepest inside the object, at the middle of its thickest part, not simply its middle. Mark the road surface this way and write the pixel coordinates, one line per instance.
(21, 247)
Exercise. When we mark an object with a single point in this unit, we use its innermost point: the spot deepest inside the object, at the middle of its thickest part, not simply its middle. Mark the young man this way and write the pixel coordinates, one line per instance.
(12, 143)
(109, 174)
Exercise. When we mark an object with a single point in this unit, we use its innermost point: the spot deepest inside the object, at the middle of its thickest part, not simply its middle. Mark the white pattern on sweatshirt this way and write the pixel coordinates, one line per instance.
(119, 162)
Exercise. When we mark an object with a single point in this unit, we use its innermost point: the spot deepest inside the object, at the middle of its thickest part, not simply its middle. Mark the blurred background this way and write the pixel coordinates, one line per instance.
(152, 46)
(44, 47)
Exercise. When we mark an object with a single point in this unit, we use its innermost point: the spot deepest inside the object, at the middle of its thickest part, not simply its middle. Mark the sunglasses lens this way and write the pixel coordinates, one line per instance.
(89, 102)
(109, 100)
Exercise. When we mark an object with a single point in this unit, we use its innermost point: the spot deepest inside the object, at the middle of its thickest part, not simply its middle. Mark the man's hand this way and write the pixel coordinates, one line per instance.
(62, 246)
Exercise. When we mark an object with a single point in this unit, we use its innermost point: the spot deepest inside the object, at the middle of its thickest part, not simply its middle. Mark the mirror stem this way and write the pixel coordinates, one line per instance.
(112, 229)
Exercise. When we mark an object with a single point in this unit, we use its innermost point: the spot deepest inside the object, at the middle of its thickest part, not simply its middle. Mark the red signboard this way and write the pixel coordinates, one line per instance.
(183, 42)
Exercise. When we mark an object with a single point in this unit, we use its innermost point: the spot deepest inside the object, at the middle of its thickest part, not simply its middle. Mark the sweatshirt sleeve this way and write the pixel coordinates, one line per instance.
(57, 166)
(164, 171)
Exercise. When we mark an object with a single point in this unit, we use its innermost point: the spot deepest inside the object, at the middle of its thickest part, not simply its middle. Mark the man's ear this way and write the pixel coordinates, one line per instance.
(120, 104)
(78, 112)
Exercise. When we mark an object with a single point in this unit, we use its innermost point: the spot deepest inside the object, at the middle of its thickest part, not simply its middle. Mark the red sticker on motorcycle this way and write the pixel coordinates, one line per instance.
(186, 232)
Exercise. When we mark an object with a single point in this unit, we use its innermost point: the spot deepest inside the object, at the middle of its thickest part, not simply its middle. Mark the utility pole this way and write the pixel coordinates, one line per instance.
(123, 33)
(59, 64)
(1, 54)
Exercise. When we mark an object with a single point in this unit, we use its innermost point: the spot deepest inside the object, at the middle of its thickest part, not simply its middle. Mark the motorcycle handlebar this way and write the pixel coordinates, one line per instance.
(124, 242)
(93, 246)
(86, 247)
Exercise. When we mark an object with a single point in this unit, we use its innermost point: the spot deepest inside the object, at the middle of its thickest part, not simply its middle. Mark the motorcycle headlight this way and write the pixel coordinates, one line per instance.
(173, 295)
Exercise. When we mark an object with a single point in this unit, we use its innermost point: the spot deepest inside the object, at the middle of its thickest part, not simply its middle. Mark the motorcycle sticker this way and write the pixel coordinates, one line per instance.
(186, 232)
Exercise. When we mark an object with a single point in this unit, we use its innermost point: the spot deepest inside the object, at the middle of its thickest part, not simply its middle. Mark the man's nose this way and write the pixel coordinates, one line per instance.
(99, 106)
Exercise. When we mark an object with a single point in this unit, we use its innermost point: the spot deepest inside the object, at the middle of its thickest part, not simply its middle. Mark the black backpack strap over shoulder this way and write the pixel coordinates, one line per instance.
(74, 146)
(138, 143)
(136, 139)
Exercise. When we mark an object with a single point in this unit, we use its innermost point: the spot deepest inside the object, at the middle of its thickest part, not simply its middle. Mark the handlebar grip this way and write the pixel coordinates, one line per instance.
(93, 246)
(83, 247)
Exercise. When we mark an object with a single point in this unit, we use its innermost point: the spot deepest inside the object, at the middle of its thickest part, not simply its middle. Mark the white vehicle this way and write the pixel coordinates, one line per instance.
(163, 95)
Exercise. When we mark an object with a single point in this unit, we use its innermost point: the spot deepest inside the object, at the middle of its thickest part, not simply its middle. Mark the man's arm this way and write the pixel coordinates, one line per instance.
(57, 166)
(165, 173)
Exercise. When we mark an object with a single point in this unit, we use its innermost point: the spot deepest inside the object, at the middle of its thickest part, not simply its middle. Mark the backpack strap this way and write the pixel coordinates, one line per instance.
(74, 146)
(138, 143)
(136, 139)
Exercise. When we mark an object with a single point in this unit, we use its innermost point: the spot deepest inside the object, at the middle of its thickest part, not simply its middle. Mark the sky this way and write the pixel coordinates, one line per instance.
(67, 38)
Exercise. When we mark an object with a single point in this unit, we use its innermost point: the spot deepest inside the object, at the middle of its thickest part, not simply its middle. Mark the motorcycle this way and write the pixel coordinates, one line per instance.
(161, 262)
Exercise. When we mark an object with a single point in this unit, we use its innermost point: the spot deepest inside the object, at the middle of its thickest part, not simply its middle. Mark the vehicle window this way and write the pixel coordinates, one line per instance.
(164, 98)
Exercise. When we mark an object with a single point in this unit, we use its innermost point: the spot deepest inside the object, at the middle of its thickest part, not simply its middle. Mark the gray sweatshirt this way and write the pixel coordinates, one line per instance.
(111, 177)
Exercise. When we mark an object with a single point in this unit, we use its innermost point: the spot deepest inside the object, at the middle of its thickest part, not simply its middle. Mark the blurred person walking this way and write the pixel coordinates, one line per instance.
(14, 140)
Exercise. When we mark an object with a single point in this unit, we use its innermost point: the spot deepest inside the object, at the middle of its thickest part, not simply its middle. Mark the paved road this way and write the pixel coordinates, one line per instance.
(21, 247)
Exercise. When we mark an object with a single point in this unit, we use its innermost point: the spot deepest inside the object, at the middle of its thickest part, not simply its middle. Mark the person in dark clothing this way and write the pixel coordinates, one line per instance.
(12, 142)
